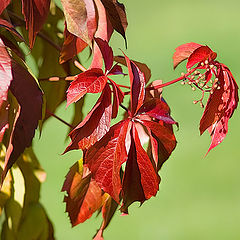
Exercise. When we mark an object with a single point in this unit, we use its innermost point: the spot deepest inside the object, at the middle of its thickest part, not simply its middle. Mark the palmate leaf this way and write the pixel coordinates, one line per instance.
(105, 158)
(91, 81)
(95, 125)
(117, 15)
(223, 98)
(140, 180)
(84, 196)
(220, 107)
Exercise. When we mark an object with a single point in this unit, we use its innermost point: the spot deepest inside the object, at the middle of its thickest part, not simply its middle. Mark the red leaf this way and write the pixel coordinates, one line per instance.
(105, 158)
(107, 53)
(81, 18)
(116, 70)
(3, 5)
(118, 96)
(165, 139)
(108, 210)
(183, 52)
(200, 55)
(84, 197)
(104, 31)
(140, 181)
(95, 125)
(11, 28)
(117, 15)
(156, 108)
(71, 47)
(5, 80)
(142, 66)
(220, 107)
(25, 88)
(90, 81)
(137, 81)
(35, 13)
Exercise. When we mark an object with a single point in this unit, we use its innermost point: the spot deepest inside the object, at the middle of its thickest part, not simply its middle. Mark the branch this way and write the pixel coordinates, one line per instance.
(60, 119)
(55, 79)
(171, 82)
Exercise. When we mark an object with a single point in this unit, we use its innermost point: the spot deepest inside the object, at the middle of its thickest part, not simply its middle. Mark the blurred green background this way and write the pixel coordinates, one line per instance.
(199, 197)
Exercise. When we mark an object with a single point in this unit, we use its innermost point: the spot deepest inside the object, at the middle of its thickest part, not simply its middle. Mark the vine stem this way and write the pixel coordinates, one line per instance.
(171, 82)
(60, 119)
(80, 66)
(55, 79)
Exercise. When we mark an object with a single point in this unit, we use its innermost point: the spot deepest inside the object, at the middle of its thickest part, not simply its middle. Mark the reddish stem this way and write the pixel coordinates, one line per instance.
(123, 86)
(171, 82)
(55, 79)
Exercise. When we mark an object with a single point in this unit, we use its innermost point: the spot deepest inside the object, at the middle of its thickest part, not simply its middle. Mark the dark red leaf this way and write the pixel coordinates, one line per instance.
(29, 96)
(117, 15)
(3, 5)
(35, 13)
(220, 107)
(142, 66)
(71, 47)
(107, 53)
(156, 108)
(105, 158)
(137, 81)
(7, 25)
(108, 210)
(140, 181)
(200, 55)
(95, 125)
(183, 52)
(84, 197)
(118, 96)
(90, 81)
(5, 80)
(165, 139)
(116, 70)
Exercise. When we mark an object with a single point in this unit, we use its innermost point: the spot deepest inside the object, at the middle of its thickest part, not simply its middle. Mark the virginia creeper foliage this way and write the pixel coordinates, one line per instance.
(121, 162)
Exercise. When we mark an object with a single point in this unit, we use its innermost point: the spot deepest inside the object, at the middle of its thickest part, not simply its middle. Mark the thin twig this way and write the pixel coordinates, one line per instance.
(55, 79)
(60, 119)
(171, 82)
(80, 66)
(127, 110)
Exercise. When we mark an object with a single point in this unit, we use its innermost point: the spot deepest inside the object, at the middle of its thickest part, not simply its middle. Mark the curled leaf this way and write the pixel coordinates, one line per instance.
(183, 52)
